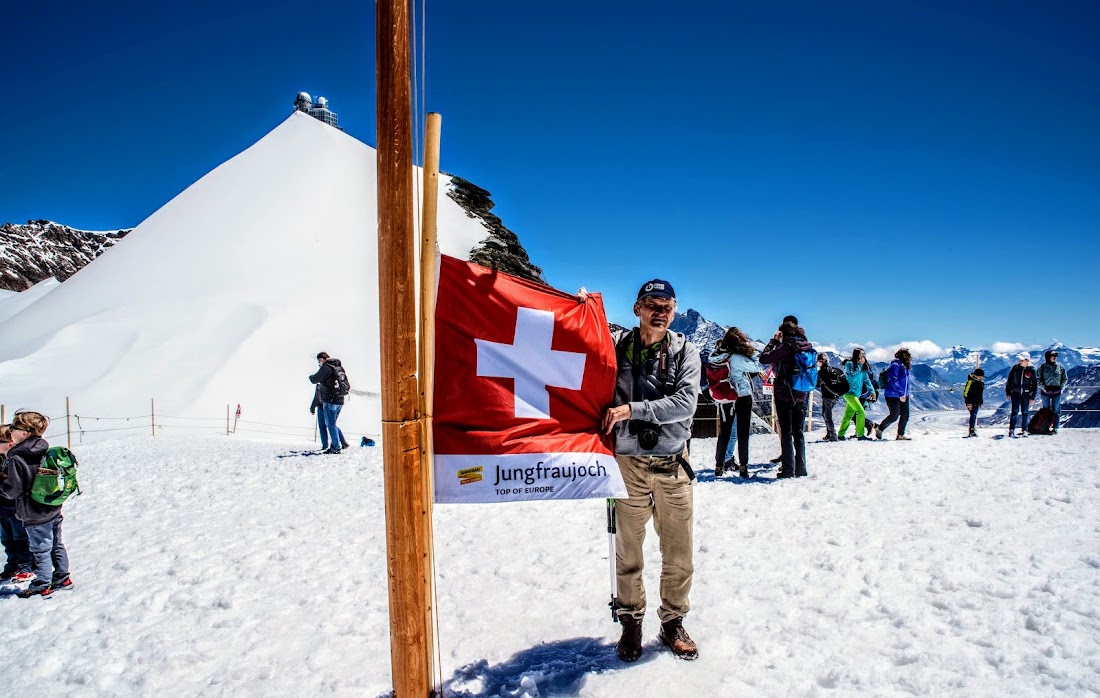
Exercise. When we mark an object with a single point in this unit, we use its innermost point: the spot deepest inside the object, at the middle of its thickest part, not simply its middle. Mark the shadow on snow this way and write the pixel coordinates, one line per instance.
(548, 669)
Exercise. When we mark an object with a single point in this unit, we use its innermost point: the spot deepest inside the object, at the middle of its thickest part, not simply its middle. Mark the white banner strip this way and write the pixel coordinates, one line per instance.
(526, 476)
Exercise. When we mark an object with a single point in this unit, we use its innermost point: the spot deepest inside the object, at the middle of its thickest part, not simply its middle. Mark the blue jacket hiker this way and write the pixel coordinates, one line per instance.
(43, 522)
(897, 392)
(857, 371)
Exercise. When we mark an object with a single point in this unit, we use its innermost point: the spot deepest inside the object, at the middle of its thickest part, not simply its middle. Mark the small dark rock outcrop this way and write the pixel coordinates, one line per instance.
(41, 249)
(501, 249)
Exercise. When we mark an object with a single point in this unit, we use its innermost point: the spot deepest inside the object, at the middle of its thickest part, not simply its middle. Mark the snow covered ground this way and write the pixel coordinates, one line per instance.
(941, 566)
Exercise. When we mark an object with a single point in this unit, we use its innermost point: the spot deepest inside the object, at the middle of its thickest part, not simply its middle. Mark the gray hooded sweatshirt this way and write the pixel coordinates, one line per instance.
(667, 398)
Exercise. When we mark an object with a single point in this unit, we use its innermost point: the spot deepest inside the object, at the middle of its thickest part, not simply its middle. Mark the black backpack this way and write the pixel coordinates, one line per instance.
(883, 378)
(342, 386)
(1042, 422)
(835, 381)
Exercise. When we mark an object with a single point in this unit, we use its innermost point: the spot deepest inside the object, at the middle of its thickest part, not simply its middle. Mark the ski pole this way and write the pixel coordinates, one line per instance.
(611, 558)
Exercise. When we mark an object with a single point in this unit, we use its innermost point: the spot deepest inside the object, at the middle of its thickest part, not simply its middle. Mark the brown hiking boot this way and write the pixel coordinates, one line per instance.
(676, 639)
(630, 644)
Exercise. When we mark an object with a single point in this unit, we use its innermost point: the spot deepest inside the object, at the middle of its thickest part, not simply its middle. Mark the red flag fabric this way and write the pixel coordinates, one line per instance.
(523, 374)
(238, 410)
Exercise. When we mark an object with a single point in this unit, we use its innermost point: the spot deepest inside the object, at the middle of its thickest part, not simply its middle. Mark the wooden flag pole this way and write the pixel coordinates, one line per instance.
(406, 543)
(427, 354)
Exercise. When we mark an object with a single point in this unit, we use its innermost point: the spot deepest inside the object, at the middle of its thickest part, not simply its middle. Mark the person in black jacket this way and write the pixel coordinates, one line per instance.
(829, 376)
(13, 535)
(790, 404)
(331, 401)
(1021, 388)
(972, 397)
(42, 521)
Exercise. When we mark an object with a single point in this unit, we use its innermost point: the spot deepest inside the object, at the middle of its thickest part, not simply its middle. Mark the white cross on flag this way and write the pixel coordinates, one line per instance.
(523, 374)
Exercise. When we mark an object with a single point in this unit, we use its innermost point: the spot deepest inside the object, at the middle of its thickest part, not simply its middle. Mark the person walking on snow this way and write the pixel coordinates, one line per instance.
(655, 395)
(331, 401)
(827, 378)
(1052, 378)
(898, 392)
(972, 397)
(857, 372)
(1020, 389)
(790, 404)
(735, 350)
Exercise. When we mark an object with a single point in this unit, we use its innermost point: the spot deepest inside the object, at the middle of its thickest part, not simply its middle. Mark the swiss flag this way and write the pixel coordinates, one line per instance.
(523, 374)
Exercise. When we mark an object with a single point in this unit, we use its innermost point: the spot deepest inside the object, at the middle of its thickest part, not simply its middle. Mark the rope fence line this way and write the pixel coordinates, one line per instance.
(89, 424)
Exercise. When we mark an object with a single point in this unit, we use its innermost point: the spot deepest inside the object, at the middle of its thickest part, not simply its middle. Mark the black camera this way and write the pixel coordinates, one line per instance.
(647, 432)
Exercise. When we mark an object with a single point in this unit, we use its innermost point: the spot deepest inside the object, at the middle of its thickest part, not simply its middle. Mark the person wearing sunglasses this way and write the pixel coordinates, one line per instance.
(656, 391)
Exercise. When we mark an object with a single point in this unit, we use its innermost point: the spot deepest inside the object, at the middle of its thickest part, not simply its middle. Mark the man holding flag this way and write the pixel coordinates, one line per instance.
(655, 395)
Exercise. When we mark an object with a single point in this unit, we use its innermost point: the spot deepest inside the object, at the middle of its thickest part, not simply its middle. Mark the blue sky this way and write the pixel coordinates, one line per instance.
(887, 171)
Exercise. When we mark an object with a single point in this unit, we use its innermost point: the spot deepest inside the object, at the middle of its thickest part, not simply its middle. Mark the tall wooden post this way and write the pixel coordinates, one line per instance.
(427, 350)
(406, 542)
(68, 425)
(153, 416)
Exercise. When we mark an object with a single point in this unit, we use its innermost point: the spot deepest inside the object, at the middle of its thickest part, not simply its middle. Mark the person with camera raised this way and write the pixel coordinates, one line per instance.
(655, 395)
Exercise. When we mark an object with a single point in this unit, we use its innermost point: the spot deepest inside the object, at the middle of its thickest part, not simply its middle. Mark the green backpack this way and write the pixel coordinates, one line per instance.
(55, 480)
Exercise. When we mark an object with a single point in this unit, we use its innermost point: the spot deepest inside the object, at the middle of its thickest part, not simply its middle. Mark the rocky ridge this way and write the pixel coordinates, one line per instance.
(43, 249)
(501, 249)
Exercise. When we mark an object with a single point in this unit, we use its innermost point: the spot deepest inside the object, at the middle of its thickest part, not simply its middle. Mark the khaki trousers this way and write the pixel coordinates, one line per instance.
(658, 488)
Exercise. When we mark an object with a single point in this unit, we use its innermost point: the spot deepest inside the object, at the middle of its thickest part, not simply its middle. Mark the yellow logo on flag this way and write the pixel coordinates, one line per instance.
(468, 475)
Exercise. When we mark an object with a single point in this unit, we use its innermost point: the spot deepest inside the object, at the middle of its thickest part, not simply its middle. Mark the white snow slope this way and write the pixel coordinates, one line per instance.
(226, 294)
(941, 566)
(12, 303)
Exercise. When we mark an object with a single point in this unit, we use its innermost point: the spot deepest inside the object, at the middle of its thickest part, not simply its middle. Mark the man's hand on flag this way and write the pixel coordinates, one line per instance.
(613, 416)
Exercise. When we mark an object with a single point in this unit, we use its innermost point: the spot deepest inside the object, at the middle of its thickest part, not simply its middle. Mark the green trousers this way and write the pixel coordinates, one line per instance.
(852, 407)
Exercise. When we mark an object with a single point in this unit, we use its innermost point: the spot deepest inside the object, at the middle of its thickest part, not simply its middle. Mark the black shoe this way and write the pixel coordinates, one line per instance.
(719, 470)
(842, 438)
(674, 637)
(42, 590)
(345, 445)
(334, 451)
(777, 459)
(830, 439)
(630, 644)
(784, 476)
(800, 474)
(743, 470)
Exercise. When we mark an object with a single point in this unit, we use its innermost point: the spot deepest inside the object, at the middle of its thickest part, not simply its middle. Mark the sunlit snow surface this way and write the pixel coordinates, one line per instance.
(940, 566)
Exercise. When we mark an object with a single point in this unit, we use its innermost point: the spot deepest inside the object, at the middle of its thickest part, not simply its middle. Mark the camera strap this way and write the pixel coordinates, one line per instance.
(634, 353)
